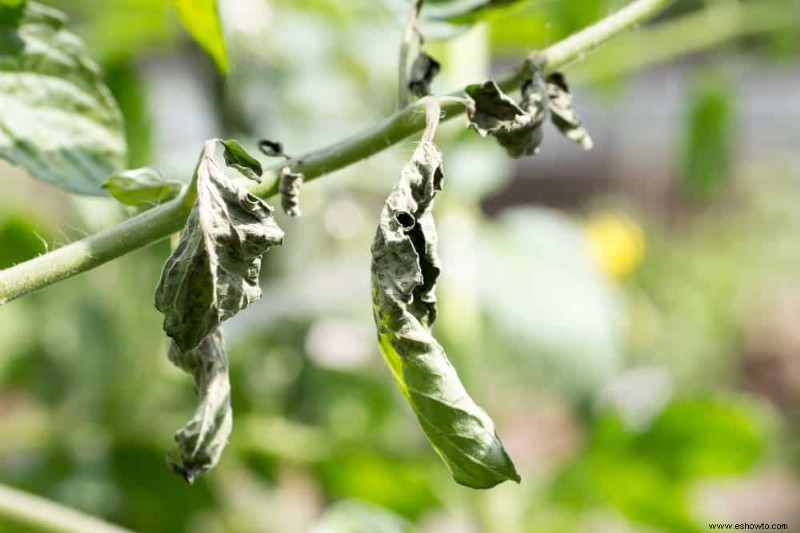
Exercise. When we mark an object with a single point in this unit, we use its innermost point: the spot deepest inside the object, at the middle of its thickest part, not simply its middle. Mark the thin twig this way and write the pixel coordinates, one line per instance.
(411, 31)
(46, 515)
(161, 221)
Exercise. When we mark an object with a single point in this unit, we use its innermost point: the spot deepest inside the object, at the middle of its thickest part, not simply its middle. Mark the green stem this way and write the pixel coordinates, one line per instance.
(46, 515)
(163, 220)
(405, 46)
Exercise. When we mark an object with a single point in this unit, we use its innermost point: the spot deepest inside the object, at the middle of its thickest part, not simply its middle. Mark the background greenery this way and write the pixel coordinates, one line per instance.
(628, 317)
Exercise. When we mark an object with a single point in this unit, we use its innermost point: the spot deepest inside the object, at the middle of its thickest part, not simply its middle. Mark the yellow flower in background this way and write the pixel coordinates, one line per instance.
(616, 241)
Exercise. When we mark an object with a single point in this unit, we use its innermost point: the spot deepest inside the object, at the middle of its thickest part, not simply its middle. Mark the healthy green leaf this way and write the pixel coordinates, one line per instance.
(517, 129)
(423, 71)
(404, 272)
(141, 186)
(202, 440)
(236, 157)
(213, 272)
(201, 20)
(57, 119)
(562, 113)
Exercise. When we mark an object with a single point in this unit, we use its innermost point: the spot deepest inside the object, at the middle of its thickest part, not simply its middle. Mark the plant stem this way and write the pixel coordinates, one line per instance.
(163, 220)
(46, 515)
(409, 33)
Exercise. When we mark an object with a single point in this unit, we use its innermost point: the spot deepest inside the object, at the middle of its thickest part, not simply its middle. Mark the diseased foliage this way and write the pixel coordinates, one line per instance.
(405, 267)
(213, 272)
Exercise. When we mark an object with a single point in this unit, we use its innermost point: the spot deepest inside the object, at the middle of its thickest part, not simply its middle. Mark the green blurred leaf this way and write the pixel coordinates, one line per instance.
(201, 20)
(57, 119)
(708, 141)
(141, 186)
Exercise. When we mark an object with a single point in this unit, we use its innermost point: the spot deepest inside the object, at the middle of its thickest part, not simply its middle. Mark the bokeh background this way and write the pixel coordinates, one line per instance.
(629, 316)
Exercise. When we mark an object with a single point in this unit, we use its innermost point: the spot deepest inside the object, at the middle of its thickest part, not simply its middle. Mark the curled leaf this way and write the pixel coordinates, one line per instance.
(141, 186)
(237, 158)
(213, 272)
(290, 192)
(423, 70)
(202, 440)
(562, 114)
(517, 129)
(405, 267)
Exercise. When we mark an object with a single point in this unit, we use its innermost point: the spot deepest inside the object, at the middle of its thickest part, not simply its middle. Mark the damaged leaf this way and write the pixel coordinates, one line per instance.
(141, 186)
(423, 70)
(562, 114)
(213, 272)
(290, 192)
(203, 438)
(517, 129)
(405, 267)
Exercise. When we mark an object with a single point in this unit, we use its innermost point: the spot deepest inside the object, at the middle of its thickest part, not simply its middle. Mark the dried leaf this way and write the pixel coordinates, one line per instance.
(405, 267)
(290, 192)
(202, 440)
(562, 114)
(517, 129)
(423, 70)
(213, 272)
(141, 186)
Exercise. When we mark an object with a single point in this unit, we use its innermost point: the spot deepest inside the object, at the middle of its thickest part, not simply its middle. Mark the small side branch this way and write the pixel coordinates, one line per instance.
(411, 32)
(34, 512)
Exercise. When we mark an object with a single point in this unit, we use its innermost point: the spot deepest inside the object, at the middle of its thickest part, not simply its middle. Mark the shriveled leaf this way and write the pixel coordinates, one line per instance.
(290, 192)
(57, 119)
(517, 129)
(202, 440)
(201, 20)
(141, 186)
(237, 157)
(213, 272)
(405, 267)
(423, 71)
(271, 148)
(563, 115)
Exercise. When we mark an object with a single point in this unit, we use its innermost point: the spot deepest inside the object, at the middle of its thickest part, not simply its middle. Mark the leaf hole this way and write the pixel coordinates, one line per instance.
(405, 219)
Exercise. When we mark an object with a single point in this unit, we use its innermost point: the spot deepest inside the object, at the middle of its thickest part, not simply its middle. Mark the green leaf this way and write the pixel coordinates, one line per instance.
(201, 20)
(213, 272)
(709, 142)
(57, 119)
(236, 157)
(517, 128)
(202, 440)
(405, 267)
(141, 186)
(562, 114)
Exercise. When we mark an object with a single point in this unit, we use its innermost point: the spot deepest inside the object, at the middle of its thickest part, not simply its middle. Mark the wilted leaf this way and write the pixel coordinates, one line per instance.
(423, 71)
(562, 113)
(213, 272)
(141, 186)
(517, 129)
(290, 192)
(202, 440)
(201, 20)
(404, 272)
(57, 119)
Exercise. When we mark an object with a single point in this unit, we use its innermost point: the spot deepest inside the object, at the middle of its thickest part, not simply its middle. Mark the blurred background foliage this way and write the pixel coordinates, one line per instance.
(628, 316)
